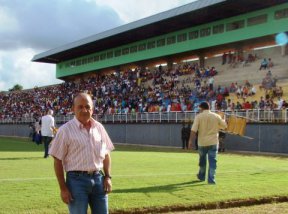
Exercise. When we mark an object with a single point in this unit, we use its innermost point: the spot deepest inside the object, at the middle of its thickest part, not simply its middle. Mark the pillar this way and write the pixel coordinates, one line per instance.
(284, 50)
(201, 61)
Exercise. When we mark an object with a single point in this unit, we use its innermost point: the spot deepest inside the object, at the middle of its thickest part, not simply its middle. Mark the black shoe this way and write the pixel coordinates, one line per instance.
(199, 178)
(211, 183)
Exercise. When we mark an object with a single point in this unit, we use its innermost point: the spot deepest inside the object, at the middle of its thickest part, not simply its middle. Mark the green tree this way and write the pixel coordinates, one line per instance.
(16, 87)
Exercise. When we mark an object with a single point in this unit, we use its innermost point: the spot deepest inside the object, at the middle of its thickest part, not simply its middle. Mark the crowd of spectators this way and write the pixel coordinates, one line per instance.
(160, 89)
(137, 90)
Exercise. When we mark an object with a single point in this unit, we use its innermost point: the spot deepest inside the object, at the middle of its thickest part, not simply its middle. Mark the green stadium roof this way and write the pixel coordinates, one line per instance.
(192, 14)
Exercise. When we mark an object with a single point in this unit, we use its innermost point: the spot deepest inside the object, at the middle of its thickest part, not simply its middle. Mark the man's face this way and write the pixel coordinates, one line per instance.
(83, 108)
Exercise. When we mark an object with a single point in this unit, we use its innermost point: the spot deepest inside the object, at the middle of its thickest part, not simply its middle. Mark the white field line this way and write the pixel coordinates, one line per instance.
(54, 178)
(26, 179)
(145, 175)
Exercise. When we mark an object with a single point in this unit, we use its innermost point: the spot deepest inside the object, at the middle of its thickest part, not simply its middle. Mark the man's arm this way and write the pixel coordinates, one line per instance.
(222, 124)
(107, 170)
(65, 193)
(53, 125)
(191, 139)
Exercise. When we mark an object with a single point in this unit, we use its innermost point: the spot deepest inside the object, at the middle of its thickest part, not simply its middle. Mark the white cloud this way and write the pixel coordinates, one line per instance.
(1, 64)
(16, 68)
(131, 10)
(49, 24)
(33, 26)
(8, 23)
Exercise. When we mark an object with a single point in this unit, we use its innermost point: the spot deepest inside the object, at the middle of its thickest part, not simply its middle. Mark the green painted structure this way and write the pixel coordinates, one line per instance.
(252, 25)
(195, 30)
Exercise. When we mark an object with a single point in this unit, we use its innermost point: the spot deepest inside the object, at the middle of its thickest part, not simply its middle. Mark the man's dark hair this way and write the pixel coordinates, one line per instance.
(204, 106)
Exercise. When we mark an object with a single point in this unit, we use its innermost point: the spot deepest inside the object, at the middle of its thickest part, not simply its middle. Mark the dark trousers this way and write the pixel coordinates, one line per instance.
(185, 142)
(221, 145)
(46, 140)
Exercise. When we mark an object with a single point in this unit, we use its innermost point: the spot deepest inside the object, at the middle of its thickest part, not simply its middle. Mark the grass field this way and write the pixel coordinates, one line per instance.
(145, 179)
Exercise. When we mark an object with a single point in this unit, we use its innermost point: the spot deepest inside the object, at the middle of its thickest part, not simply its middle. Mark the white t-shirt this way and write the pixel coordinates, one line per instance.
(211, 80)
(47, 122)
(280, 104)
(213, 105)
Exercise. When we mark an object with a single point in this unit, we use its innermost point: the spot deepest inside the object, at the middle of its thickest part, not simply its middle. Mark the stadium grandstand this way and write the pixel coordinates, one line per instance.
(158, 69)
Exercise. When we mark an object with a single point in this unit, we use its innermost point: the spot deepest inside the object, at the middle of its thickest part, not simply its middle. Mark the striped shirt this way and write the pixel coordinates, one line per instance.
(208, 124)
(79, 149)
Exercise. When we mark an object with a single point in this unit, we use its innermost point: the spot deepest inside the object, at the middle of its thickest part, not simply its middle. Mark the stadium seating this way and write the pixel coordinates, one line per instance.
(178, 84)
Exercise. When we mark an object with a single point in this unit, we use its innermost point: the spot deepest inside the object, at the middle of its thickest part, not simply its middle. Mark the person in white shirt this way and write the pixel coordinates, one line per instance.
(213, 105)
(211, 82)
(279, 103)
(47, 127)
(169, 107)
(253, 90)
(278, 112)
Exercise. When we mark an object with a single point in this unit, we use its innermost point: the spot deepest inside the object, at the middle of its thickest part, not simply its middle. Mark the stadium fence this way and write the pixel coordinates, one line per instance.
(252, 115)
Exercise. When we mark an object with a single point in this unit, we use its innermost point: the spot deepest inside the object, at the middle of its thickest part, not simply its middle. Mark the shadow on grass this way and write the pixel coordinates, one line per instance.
(165, 188)
(20, 145)
(149, 148)
(22, 158)
(22, 149)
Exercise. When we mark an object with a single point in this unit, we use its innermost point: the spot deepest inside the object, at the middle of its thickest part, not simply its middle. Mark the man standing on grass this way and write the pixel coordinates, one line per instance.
(82, 148)
(185, 133)
(47, 127)
(207, 124)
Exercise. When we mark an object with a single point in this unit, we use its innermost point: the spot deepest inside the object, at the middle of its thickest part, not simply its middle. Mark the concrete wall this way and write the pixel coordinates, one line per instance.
(20, 130)
(271, 138)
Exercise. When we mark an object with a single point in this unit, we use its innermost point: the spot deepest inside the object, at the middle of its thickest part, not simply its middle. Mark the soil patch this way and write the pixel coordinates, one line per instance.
(208, 206)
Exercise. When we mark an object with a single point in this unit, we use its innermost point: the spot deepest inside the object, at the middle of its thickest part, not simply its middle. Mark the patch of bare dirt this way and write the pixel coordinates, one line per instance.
(208, 206)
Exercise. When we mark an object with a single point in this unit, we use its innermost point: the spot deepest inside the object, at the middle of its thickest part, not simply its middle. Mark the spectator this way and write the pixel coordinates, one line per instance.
(222, 136)
(252, 91)
(120, 92)
(47, 127)
(270, 63)
(185, 134)
(37, 134)
(264, 64)
(32, 131)
(211, 82)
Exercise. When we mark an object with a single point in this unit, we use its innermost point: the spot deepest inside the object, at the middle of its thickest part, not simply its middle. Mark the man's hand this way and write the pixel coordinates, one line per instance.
(66, 196)
(107, 185)
(190, 145)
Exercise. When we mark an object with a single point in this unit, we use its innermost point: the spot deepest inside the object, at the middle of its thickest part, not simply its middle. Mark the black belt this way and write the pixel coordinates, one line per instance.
(85, 172)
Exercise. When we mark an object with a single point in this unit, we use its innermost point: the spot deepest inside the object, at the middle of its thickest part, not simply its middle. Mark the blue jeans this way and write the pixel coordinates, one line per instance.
(87, 189)
(212, 159)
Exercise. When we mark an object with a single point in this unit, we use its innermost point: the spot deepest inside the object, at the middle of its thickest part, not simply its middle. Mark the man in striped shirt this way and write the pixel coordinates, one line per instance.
(82, 149)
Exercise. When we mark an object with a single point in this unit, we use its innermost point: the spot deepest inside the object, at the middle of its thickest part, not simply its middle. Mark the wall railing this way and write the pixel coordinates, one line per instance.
(252, 115)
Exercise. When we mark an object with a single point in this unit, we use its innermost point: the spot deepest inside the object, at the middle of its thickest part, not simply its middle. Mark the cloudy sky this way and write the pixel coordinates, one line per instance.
(29, 27)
